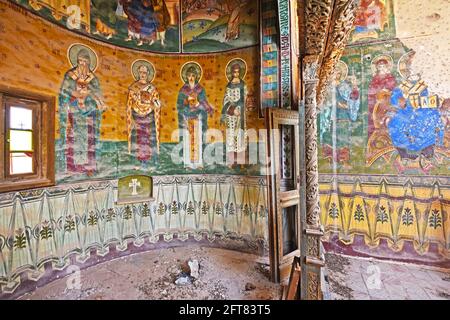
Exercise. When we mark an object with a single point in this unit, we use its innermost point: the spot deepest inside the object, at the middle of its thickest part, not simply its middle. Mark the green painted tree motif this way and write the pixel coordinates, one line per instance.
(174, 208)
(246, 210)
(205, 208)
(382, 215)
(161, 209)
(231, 209)
(128, 214)
(334, 211)
(219, 209)
(69, 226)
(46, 231)
(145, 211)
(111, 215)
(190, 209)
(407, 218)
(359, 214)
(92, 219)
(435, 220)
(20, 239)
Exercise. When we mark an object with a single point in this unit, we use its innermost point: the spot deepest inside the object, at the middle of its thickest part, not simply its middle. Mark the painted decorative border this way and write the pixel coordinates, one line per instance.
(269, 56)
(45, 226)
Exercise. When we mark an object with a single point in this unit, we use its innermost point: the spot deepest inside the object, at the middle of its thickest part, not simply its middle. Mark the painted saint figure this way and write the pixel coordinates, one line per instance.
(162, 17)
(143, 114)
(233, 111)
(80, 108)
(193, 110)
(371, 17)
(343, 104)
(416, 127)
(383, 79)
(142, 25)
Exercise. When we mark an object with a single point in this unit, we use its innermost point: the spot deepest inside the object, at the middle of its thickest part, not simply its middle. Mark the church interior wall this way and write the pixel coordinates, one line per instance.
(79, 216)
(381, 195)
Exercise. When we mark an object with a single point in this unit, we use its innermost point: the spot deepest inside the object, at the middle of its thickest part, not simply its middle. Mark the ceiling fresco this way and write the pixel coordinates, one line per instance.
(167, 26)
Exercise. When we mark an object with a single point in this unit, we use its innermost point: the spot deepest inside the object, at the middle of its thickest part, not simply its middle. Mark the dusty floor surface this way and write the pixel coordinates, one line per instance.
(223, 275)
(370, 279)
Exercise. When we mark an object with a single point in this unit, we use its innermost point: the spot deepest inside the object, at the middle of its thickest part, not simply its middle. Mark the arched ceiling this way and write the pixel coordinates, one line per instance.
(160, 26)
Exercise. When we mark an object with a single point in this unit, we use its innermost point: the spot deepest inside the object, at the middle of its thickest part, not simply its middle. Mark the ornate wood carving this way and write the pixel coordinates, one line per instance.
(317, 16)
(310, 75)
(313, 286)
(341, 26)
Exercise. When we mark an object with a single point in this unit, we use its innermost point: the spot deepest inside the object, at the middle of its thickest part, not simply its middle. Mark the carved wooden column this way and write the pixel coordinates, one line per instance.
(311, 250)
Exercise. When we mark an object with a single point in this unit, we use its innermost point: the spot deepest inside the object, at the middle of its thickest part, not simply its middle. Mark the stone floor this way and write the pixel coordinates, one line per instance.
(370, 279)
(223, 275)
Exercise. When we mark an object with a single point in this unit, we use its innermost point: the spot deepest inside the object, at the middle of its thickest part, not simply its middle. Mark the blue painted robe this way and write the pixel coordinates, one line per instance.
(414, 128)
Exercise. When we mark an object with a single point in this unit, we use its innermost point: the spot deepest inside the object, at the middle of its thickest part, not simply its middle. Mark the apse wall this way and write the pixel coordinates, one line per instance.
(78, 220)
(384, 151)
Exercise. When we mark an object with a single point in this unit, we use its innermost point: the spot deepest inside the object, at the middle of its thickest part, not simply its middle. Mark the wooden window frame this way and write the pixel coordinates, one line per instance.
(43, 140)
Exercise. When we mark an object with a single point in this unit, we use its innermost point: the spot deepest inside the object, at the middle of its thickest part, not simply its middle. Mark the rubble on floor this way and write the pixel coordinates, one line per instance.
(204, 273)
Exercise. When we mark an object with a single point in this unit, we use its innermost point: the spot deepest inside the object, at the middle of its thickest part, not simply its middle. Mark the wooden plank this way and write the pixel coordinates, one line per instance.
(294, 280)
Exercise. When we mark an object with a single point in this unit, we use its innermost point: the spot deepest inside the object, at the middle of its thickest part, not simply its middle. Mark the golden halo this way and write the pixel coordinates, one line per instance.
(139, 63)
(241, 63)
(72, 55)
(186, 66)
(404, 64)
(342, 66)
(381, 57)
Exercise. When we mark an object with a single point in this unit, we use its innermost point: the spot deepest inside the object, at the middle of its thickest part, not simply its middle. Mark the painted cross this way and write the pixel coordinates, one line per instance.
(134, 184)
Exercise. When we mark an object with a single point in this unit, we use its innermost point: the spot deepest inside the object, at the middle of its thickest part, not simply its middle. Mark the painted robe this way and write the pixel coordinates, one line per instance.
(378, 83)
(235, 96)
(141, 19)
(371, 16)
(143, 121)
(80, 121)
(193, 109)
(348, 103)
(415, 129)
(162, 15)
(193, 104)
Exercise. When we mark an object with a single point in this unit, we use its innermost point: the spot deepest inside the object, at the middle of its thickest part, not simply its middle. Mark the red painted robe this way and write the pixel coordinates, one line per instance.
(378, 83)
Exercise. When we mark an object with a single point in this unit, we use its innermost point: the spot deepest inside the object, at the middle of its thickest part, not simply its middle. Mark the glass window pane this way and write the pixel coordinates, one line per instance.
(20, 140)
(290, 232)
(21, 163)
(20, 118)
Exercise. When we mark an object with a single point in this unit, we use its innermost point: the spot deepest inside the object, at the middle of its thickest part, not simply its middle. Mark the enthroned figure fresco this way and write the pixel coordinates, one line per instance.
(340, 111)
(80, 107)
(233, 112)
(193, 110)
(414, 124)
(379, 108)
(143, 114)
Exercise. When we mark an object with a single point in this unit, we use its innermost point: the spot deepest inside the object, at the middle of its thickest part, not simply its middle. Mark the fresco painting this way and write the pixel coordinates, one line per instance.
(143, 114)
(401, 125)
(413, 122)
(338, 119)
(193, 111)
(374, 20)
(155, 25)
(80, 107)
(233, 111)
(146, 24)
(217, 25)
